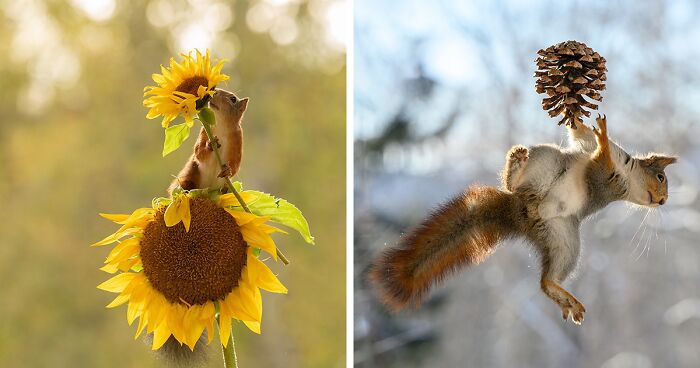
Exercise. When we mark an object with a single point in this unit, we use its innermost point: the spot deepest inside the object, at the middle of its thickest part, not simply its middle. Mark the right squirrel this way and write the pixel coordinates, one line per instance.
(548, 191)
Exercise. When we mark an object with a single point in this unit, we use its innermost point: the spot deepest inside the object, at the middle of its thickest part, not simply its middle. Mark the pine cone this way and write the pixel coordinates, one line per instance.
(566, 72)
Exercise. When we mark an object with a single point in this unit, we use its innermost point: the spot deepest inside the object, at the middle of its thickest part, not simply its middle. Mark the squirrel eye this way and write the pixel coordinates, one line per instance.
(660, 177)
(233, 99)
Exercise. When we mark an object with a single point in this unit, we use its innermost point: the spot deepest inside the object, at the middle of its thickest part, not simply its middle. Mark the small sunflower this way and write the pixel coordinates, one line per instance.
(180, 87)
(187, 258)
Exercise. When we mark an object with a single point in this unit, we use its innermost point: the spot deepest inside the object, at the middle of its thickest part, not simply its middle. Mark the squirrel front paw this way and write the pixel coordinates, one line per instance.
(225, 171)
(601, 132)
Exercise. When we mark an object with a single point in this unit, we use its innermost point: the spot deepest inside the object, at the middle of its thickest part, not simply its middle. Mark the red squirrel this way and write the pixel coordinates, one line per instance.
(547, 192)
(202, 169)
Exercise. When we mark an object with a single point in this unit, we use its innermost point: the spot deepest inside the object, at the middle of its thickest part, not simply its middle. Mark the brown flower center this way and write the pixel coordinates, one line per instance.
(201, 265)
(190, 85)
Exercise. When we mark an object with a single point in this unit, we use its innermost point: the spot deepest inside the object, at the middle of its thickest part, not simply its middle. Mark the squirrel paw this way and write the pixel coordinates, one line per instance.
(602, 131)
(575, 309)
(211, 145)
(518, 154)
(225, 171)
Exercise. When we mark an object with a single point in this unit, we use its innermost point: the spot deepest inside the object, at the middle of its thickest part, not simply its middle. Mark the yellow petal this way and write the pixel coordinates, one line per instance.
(143, 322)
(193, 326)
(259, 239)
(125, 266)
(156, 312)
(116, 236)
(124, 219)
(261, 276)
(118, 218)
(207, 317)
(110, 268)
(117, 283)
(176, 316)
(236, 306)
(224, 329)
(178, 210)
(160, 335)
(253, 326)
(128, 247)
(229, 199)
(243, 218)
(119, 300)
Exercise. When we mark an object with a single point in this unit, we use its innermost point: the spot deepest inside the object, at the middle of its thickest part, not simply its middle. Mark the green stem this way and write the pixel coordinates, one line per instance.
(206, 123)
(230, 359)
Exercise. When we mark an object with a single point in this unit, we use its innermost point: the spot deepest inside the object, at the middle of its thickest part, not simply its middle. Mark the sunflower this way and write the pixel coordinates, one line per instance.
(181, 86)
(186, 259)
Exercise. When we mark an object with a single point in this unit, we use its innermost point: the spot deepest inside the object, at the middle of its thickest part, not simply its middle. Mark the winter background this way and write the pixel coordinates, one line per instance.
(442, 90)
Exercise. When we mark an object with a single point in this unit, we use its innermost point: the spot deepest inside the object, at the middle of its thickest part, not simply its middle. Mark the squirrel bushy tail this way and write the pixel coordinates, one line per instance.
(461, 232)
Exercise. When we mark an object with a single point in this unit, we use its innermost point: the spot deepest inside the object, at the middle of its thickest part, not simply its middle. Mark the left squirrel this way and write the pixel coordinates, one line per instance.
(202, 169)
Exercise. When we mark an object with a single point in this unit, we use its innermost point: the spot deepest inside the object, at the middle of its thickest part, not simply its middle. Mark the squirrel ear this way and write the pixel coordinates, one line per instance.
(659, 161)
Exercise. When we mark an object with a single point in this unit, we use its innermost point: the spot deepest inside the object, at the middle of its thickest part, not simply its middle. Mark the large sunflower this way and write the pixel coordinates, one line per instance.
(180, 87)
(187, 258)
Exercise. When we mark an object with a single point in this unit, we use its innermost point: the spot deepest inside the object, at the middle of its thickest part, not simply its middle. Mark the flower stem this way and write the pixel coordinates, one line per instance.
(230, 359)
(205, 119)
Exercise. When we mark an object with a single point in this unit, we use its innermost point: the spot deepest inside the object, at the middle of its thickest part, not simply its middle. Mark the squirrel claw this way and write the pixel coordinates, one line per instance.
(225, 171)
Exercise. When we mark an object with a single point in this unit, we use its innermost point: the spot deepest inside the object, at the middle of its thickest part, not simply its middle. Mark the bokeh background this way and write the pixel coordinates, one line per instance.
(442, 90)
(74, 141)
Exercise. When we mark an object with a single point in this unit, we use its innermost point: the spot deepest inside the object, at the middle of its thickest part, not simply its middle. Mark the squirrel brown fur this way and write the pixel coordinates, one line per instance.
(202, 169)
(547, 192)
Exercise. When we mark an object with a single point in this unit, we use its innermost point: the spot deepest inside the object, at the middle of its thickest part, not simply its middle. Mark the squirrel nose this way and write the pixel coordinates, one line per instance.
(662, 201)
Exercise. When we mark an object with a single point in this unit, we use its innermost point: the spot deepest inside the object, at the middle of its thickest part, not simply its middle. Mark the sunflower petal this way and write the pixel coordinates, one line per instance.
(229, 199)
(253, 326)
(242, 217)
(118, 218)
(116, 236)
(261, 276)
(178, 210)
(224, 330)
(119, 300)
(117, 283)
(193, 326)
(143, 322)
(160, 335)
(259, 239)
(236, 305)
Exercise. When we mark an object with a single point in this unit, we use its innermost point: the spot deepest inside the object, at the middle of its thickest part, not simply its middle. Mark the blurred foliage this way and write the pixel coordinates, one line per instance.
(74, 141)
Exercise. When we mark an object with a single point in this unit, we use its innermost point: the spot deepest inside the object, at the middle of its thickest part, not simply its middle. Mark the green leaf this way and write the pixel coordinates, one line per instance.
(161, 201)
(174, 136)
(281, 211)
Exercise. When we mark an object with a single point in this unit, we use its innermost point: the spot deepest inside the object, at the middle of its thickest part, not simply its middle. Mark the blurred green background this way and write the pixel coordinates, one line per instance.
(74, 141)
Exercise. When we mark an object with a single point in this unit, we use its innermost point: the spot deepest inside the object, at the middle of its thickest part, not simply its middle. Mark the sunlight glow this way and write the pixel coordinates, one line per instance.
(97, 10)
(337, 23)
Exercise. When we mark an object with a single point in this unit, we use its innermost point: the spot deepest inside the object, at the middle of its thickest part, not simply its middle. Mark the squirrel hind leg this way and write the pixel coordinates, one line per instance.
(516, 160)
(559, 247)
